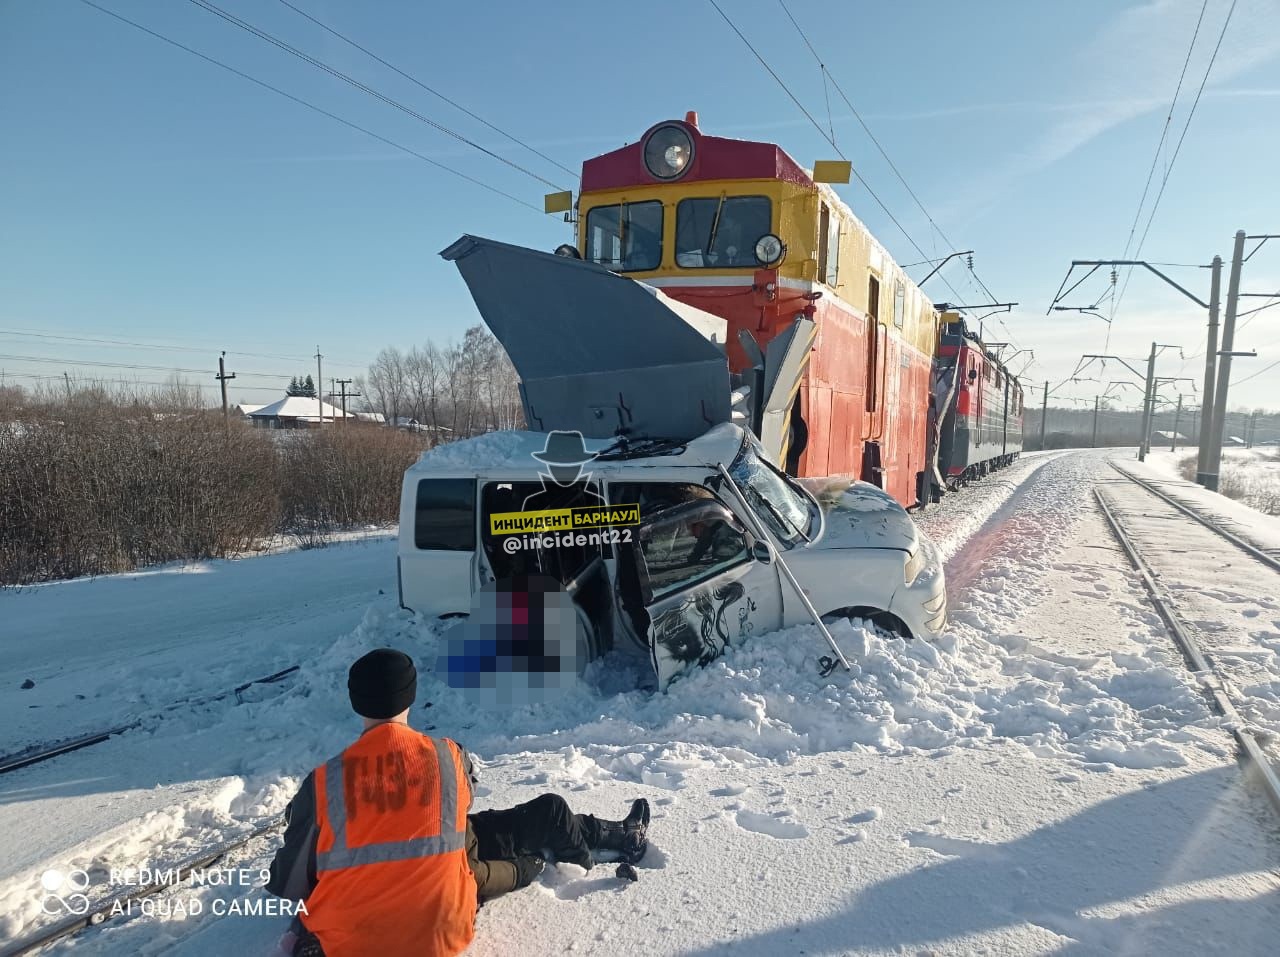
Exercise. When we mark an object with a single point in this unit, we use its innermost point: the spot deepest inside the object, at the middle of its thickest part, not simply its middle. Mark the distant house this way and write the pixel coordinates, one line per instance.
(296, 412)
(245, 409)
(377, 418)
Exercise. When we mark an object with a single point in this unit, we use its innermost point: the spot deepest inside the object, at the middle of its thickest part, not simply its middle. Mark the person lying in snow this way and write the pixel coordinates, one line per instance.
(381, 846)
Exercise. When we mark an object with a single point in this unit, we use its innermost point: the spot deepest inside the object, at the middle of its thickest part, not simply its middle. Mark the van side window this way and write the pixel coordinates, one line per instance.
(445, 516)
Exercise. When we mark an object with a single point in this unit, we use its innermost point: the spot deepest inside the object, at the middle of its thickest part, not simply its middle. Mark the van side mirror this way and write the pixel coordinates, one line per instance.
(762, 552)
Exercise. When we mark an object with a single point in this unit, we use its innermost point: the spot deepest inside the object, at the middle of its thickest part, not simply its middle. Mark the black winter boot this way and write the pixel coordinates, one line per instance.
(630, 837)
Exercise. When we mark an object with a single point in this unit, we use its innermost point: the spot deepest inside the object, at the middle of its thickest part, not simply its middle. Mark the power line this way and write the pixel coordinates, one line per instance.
(1174, 159)
(866, 129)
(140, 382)
(433, 92)
(1164, 134)
(309, 105)
(124, 343)
(1258, 373)
(129, 365)
(362, 87)
(825, 136)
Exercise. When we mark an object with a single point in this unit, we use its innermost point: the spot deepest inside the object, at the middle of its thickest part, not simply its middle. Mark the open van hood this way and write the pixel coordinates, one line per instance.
(596, 352)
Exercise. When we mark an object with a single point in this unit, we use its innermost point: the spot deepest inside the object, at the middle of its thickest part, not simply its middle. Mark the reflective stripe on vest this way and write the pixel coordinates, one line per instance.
(340, 855)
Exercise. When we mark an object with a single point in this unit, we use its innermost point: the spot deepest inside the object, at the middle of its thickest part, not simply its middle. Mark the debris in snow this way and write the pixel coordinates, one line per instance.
(28, 685)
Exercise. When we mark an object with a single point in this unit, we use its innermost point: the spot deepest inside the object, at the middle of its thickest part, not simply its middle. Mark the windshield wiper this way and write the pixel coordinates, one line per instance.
(624, 220)
(773, 510)
(715, 225)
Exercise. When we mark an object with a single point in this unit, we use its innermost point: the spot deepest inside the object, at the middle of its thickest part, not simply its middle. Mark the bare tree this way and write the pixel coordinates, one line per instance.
(424, 373)
(388, 384)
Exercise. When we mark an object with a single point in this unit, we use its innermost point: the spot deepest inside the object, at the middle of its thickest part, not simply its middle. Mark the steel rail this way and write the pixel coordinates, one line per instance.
(100, 912)
(37, 753)
(1269, 560)
(1213, 684)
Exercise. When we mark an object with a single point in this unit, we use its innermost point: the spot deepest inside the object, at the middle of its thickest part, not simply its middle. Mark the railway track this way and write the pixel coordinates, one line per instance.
(1269, 557)
(1175, 560)
(44, 752)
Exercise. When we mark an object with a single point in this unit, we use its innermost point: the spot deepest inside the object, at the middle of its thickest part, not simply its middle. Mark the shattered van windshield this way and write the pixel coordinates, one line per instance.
(786, 512)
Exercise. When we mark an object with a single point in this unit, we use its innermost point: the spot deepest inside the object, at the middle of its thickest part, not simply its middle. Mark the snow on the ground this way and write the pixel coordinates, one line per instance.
(104, 651)
(1256, 471)
(1044, 778)
(1229, 601)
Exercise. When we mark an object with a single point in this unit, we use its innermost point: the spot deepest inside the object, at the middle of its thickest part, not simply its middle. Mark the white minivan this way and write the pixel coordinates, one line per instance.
(689, 560)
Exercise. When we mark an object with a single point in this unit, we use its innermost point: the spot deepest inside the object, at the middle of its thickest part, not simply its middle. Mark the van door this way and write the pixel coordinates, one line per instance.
(701, 586)
(437, 549)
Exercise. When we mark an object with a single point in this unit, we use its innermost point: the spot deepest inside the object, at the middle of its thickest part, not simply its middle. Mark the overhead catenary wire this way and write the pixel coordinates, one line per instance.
(311, 106)
(818, 126)
(1164, 135)
(436, 93)
(363, 87)
(1177, 149)
(1258, 373)
(866, 129)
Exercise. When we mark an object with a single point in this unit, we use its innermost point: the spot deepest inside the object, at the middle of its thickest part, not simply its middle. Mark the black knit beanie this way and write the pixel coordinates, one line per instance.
(382, 683)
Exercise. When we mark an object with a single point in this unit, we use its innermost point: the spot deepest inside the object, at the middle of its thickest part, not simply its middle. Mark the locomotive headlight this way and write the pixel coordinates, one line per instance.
(668, 152)
(769, 250)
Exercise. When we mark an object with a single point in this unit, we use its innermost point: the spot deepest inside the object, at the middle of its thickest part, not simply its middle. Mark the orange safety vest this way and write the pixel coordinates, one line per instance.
(391, 858)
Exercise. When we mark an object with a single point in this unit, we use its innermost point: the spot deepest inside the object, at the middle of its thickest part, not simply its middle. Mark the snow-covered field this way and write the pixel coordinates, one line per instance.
(1044, 779)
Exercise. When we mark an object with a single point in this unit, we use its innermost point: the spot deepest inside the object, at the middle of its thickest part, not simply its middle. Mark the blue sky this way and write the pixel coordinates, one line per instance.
(148, 196)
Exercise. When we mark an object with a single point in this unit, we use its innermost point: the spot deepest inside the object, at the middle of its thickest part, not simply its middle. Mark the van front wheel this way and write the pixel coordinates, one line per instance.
(883, 621)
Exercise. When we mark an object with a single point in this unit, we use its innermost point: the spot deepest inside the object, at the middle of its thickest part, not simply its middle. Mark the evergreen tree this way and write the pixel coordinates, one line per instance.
(309, 388)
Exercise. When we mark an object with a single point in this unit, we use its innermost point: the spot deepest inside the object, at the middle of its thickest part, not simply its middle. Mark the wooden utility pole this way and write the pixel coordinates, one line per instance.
(222, 378)
(1251, 431)
(319, 379)
(1097, 399)
(344, 395)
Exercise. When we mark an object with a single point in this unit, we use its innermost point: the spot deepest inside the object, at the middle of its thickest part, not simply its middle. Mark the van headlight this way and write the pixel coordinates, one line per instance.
(915, 565)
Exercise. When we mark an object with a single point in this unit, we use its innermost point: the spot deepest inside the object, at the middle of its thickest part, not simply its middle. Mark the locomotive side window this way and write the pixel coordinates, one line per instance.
(721, 231)
(899, 303)
(627, 237)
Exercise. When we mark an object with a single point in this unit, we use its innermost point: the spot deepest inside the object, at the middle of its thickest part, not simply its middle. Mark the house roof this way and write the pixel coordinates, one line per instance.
(299, 407)
(247, 408)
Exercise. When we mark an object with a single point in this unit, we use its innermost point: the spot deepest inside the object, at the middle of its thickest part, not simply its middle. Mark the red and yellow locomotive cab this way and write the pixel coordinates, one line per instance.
(739, 229)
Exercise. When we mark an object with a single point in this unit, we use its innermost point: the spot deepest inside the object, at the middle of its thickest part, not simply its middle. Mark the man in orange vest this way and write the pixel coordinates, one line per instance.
(380, 845)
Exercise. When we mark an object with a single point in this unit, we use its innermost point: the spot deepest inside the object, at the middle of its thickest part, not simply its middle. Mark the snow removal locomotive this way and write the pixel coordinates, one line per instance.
(741, 364)
(740, 230)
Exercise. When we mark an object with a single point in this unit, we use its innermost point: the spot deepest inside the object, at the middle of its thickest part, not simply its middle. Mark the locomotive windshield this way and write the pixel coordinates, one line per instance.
(721, 231)
(627, 237)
